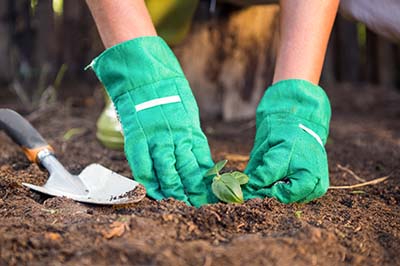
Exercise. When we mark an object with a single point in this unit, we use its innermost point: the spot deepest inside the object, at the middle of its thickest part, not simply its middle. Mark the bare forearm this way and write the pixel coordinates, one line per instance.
(122, 20)
(305, 29)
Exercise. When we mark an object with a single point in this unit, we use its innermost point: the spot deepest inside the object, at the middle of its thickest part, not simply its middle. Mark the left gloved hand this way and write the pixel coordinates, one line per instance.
(288, 160)
(164, 144)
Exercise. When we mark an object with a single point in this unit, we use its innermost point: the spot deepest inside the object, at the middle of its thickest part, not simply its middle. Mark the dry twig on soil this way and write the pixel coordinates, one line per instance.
(371, 182)
(348, 170)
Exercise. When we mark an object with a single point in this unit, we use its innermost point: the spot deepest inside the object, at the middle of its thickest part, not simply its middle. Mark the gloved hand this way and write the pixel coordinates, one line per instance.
(164, 144)
(288, 160)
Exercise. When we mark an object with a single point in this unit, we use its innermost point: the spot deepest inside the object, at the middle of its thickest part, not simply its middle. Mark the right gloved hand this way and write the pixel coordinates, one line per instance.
(164, 144)
(288, 161)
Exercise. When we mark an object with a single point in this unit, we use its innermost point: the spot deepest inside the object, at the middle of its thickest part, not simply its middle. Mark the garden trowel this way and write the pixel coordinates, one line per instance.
(95, 184)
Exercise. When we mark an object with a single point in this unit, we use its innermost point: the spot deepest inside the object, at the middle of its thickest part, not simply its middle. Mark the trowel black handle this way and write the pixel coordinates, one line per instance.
(22, 133)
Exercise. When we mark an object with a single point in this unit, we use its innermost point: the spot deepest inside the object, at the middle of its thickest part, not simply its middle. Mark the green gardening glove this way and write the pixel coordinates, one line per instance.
(288, 160)
(164, 144)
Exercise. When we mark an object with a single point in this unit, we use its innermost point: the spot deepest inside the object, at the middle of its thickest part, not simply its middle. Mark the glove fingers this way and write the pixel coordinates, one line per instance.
(201, 150)
(202, 153)
(164, 165)
(272, 167)
(302, 161)
(308, 177)
(318, 191)
(142, 168)
(300, 184)
(162, 149)
(140, 162)
(200, 145)
(312, 165)
(191, 175)
(187, 166)
(261, 145)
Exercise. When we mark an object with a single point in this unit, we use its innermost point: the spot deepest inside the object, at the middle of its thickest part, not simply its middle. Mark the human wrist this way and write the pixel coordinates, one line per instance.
(119, 21)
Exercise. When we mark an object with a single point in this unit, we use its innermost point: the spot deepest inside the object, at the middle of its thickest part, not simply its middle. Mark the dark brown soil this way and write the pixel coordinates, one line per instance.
(345, 227)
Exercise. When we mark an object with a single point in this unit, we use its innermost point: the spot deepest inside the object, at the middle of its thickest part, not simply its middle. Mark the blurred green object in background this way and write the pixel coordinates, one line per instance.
(109, 131)
(172, 18)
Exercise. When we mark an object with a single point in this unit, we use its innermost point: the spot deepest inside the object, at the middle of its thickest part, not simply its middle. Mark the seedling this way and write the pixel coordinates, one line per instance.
(226, 186)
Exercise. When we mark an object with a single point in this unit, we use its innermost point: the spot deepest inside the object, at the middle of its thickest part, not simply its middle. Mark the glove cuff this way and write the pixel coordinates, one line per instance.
(299, 98)
(136, 63)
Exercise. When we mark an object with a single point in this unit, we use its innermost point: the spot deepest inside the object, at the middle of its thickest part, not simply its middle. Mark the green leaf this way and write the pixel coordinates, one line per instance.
(233, 184)
(211, 172)
(227, 191)
(221, 191)
(216, 168)
(240, 177)
(221, 164)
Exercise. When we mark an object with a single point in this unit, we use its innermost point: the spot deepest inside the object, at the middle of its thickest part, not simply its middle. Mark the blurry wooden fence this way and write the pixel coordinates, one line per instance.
(228, 56)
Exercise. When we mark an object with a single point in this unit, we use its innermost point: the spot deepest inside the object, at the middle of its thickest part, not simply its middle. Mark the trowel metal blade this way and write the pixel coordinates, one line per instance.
(103, 187)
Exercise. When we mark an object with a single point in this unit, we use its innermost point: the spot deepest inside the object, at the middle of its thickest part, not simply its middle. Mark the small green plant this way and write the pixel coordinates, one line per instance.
(226, 186)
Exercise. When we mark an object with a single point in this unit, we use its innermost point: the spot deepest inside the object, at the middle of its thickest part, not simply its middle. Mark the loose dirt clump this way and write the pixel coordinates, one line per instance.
(345, 227)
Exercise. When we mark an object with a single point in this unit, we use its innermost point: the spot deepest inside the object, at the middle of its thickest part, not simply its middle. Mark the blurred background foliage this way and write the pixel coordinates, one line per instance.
(45, 44)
